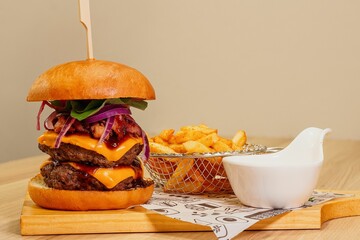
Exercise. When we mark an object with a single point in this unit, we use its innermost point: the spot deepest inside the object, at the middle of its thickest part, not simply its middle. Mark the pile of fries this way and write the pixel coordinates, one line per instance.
(191, 174)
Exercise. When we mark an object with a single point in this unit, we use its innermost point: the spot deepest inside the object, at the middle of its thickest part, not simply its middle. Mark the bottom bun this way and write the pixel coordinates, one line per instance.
(52, 198)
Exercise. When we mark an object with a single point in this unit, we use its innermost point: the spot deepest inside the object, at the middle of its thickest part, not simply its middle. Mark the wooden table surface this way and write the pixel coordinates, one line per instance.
(341, 171)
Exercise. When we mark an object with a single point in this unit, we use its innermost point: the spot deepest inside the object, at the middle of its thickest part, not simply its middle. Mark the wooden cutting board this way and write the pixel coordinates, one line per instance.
(38, 221)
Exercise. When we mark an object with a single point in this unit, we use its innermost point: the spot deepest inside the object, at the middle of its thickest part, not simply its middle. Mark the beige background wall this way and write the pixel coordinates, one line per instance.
(272, 68)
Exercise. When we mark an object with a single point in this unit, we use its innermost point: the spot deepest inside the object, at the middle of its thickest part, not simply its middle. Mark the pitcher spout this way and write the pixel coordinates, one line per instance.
(324, 132)
(307, 145)
(311, 136)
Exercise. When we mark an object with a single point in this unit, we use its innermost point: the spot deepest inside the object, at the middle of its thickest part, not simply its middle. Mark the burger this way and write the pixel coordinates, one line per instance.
(95, 146)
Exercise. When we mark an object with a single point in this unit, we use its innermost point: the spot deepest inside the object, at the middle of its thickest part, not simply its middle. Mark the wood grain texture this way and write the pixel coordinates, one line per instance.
(34, 220)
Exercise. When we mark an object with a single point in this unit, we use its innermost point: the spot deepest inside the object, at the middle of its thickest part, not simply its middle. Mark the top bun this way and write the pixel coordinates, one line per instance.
(91, 79)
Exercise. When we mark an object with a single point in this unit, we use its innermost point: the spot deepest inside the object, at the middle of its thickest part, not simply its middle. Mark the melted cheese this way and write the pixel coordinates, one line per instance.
(110, 177)
(49, 138)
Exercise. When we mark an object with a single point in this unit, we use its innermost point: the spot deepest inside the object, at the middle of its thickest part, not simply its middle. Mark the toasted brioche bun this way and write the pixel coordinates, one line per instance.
(85, 200)
(91, 79)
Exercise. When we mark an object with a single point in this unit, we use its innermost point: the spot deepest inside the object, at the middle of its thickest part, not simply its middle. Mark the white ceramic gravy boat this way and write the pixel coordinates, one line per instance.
(284, 179)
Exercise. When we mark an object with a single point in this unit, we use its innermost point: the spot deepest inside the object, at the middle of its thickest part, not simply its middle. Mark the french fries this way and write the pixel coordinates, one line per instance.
(164, 169)
(196, 147)
(180, 172)
(239, 140)
(193, 175)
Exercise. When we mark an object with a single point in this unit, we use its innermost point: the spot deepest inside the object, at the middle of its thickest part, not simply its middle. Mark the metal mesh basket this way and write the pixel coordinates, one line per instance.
(194, 173)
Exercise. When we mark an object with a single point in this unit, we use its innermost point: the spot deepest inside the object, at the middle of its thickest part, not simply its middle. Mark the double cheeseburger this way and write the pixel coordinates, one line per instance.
(96, 148)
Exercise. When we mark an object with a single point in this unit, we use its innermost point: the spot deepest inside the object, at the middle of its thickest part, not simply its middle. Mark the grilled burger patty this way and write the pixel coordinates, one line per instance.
(68, 152)
(61, 175)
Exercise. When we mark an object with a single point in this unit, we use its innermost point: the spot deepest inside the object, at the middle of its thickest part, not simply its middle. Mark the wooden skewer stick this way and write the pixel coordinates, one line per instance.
(84, 9)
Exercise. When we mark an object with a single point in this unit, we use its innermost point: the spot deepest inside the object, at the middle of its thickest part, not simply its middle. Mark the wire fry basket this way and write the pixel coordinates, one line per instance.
(194, 173)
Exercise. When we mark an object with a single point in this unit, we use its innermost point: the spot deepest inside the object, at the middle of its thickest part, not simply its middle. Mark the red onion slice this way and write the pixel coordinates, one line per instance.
(108, 127)
(41, 109)
(107, 114)
(146, 148)
(48, 124)
(63, 131)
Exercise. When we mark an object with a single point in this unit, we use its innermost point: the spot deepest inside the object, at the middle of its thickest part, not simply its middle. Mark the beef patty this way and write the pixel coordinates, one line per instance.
(68, 152)
(61, 175)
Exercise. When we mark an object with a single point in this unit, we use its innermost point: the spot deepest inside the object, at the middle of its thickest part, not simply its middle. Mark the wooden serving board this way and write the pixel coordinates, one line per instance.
(38, 221)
